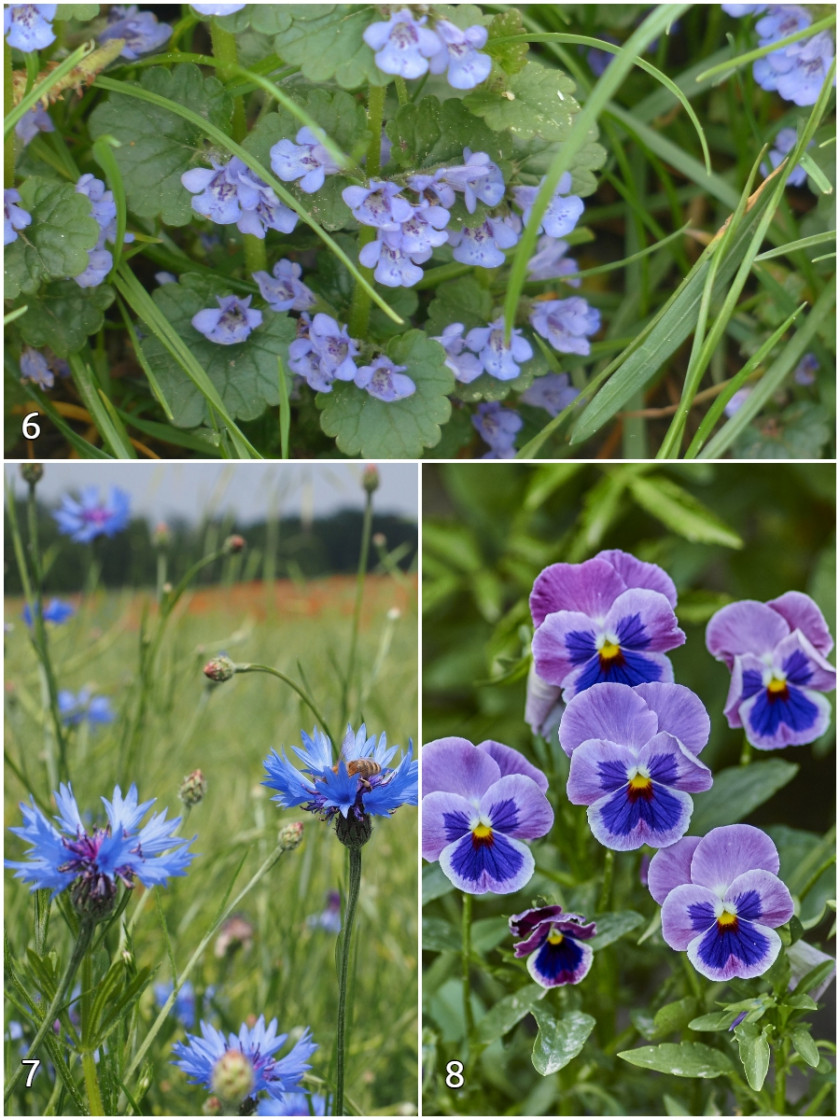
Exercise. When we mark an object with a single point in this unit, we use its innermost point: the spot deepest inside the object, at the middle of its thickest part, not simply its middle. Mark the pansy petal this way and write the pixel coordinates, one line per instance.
(623, 822)
(502, 867)
(564, 640)
(598, 767)
(803, 664)
(744, 627)
(516, 806)
(543, 706)
(727, 852)
(760, 896)
(639, 573)
(446, 817)
(801, 717)
(510, 761)
(457, 765)
(744, 951)
(671, 867)
(687, 911)
(522, 925)
(614, 712)
(666, 760)
(679, 711)
(563, 962)
(631, 669)
(802, 613)
(591, 588)
(644, 620)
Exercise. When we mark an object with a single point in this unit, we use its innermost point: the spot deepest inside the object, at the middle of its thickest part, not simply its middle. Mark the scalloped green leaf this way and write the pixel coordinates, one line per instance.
(156, 146)
(64, 315)
(535, 101)
(682, 1059)
(325, 40)
(339, 114)
(459, 301)
(433, 133)
(363, 425)
(510, 56)
(245, 375)
(56, 242)
(559, 1039)
(800, 432)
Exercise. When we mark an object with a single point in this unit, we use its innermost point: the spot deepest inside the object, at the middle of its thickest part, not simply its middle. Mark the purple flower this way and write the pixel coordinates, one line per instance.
(384, 380)
(465, 66)
(498, 427)
(610, 618)
(334, 347)
(91, 516)
(392, 266)
(553, 944)
(307, 160)
(805, 372)
(484, 244)
(217, 192)
(480, 803)
(599, 60)
(28, 27)
(737, 400)
(293, 1104)
(403, 45)
(421, 232)
(231, 324)
(738, 10)
(104, 210)
(562, 213)
(634, 762)
(31, 123)
(206, 1059)
(549, 262)
(565, 323)
(84, 708)
(499, 359)
(463, 363)
(55, 611)
(141, 31)
(432, 188)
(721, 900)
(478, 178)
(35, 367)
(380, 205)
(91, 861)
(798, 70)
(15, 218)
(216, 10)
(330, 917)
(783, 144)
(776, 652)
(552, 392)
(286, 291)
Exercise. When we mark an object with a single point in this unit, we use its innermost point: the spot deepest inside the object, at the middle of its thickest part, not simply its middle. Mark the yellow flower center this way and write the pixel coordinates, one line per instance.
(555, 937)
(609, 651)
(639, 782)
(775, 686)
(482, 831)
(727, 919)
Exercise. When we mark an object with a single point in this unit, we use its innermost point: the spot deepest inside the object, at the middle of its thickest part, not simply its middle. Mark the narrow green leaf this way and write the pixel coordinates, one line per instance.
(829, 237)
(737, 791)
(505, 1014)
(714, 1021)
(805, 1046)
(754, 1052)
(613, 925)
(682, 1059)
(674, 1016)
(680, 511)
(559, 1039)
(108, 424)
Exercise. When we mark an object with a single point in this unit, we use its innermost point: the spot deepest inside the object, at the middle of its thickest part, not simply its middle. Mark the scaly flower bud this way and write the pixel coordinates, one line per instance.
(233, 1076)
(219, 668)
(193, 788)
(32, 472)
(234, 543)
(370, 478)
(290, 836)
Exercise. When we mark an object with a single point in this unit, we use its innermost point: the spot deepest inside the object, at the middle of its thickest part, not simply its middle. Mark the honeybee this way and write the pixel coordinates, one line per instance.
(364, 767)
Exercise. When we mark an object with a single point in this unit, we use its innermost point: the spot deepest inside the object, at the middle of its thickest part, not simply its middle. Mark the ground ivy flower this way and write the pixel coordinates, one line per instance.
(634, 761)
(91, 861)
(721, 900)
(384, 380)
(610, 618)
(56, 611)
(204, 1059)
(403, 45)
(459, 55)
(565, 323)
(550, 262)
(483, 245)
(380, 205)
(392, 265)
(141, 30)
(28, 27)
(782, 145)
(776, 652)
(103, 210)
(553, 945)
(323, 351)
(308, 161)
(478, 178)
(432, 188)
(84, 708)
(216, 191)
(480, 803)
(284, 290)
(552, 392)
(500, 360)
(498, 427)
(38, 367)
(798, 70)
(31, 123)
(360, 784)
(92, 516)
(461, 360)
(562, 213)
(229, 325)
(14, 216)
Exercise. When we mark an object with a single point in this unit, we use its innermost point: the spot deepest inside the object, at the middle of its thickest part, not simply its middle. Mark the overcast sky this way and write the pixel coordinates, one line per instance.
(250, 491)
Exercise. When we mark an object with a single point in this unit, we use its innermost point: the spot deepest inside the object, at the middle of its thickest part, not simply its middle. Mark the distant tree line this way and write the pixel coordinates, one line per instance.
(275, 549)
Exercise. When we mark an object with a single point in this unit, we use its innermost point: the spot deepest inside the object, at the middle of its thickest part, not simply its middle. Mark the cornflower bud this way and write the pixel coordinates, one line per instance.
(219, 668)
(351, 832)
(233, 1076)
(290, 836)
(162, 535)
(379, 540)
(32, 472)
(211, 1107)
(193, 788)
(234, 543)
(94, 896)
(370, 478)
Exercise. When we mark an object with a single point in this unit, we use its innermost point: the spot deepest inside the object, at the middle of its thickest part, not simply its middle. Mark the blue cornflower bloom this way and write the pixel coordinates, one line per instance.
(498, 427)
(385, 381)
(552, 944)
(141, 31)
(285, 291)
(360, 784)
(92, 860)
(465, 66)
(294, 1104)
(552, 392)
(231, 323)
(479, 179)
(55, 611)
(403, 45)
(14, 216)
(561, 215)
(200, 1058)
(499, 360)
(92, 516)
(31, 123)
(307, 160)
(565, 323)
(28, 27)
(186, 1000)
(76, 709)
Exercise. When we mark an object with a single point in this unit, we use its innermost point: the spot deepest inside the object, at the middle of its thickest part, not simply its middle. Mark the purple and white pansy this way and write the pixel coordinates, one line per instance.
(634, 760)
(610, 618)
(776, 652)
(721, 900)
(553, 944)
(480, 803)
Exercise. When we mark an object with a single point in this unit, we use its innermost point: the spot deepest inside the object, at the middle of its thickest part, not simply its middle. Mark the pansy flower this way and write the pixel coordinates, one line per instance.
(721, 900)
(634, 761)
(480, 803)
(608, 619)
(553, 944)
(776, 652)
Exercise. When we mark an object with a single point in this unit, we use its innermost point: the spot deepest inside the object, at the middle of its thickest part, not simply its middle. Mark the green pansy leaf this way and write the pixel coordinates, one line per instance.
(64, 315)
(156, 146)
(245, 375)
(55, 243)
(559, 1039)
(325, 41)
(435, 883)
(439, 935)
(505, 1014)
(737, 791)
(805, 1046)
(613, 925)
(714, 1021)
(674, 1016)
(363, 425)
(682, 1059)
(754, 1052)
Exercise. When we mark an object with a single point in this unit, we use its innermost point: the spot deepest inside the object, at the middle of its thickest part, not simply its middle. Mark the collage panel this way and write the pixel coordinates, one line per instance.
(628, 789)
(211, 789)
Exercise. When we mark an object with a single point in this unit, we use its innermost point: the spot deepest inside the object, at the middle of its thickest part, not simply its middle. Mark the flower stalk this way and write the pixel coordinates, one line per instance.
(353, 884)
(466, 953)
(360, 307)
(361, 572)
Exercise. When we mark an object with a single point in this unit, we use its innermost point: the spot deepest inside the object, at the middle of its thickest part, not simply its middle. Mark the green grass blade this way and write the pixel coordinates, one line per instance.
(107, 422)
(43, 88)
(285, 409)
(141, 358)
(86, 450)
(104, 156)
(724, 68)
(827, 238)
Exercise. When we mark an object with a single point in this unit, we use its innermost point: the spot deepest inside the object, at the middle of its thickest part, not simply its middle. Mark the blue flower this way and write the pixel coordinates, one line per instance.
(307, 160)
(551, 392)
(34, 366)
(104, 210)
(91, 861)
(392, 265)
(479, 179)
(286, 292)
(198, 1057)
(231, 324)
(798, 70)
(460, 359)
(561, 215)
(380, 205)
(14, 217)
(565, 323)
(142, 32)
(385, 381)
(91, 516)
(184, 1006)
(55, 611)
(216, 191)
(403, 45)
(553, 945)
(231, 193)
(432, 188)
(498, 427)
(361, 783)
(465, 66)
(500, 360)
(330, 917)
(550, 262)
(782, 145)
(28, 27)
(217, 9)
(31, 123)
(322, 352)
(76, 709)
(295, 1104)
(805, 372)
(484, 244)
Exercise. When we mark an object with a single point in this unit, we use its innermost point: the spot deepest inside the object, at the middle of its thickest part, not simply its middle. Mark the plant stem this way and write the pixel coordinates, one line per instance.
(466, 953)
(357, 606)
(305, 697)
(79, 951)
(606, 888)
(360, 307)
(354, 882)
(224, 50)
(88, 1061)
(781, 1078)
(746, 753)
(8, 99)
